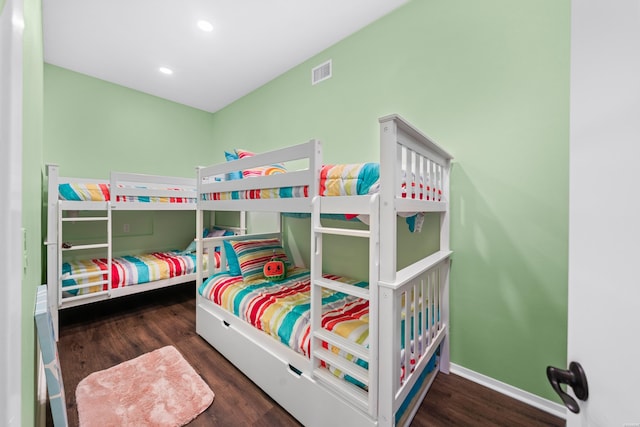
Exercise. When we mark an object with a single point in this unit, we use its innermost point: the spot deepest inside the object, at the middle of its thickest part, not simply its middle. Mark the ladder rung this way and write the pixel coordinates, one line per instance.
(343, 231)
(336, 340)
(85, 218)
(84, 296)
(343, 287)
(84, 275)
(353, 391)
(82, 247)
(84, 285)
(357, 372)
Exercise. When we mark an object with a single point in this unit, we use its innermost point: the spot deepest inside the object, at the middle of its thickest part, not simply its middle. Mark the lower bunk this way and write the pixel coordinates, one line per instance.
(83, 279)
(87, 280)
(263, 327)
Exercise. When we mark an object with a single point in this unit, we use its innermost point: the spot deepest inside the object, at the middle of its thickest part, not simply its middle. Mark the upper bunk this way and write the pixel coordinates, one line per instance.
(412, 176)
(122, 191)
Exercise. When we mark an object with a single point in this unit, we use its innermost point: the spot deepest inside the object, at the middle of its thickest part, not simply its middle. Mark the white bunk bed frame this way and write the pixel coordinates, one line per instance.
(121, 185)
(308, 392)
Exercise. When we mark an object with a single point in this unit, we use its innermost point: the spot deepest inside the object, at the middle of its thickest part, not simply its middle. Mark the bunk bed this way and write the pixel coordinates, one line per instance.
(316, 369)
(85, 271)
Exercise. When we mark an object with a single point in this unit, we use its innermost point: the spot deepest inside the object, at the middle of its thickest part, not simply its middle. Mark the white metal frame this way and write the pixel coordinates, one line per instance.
(407, 156)
(121, 184)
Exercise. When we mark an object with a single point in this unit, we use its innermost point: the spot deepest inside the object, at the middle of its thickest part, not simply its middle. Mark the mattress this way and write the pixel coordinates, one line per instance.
(282, 309)
(100, 192)
(129, 270)
(357, 179)
(335, 180)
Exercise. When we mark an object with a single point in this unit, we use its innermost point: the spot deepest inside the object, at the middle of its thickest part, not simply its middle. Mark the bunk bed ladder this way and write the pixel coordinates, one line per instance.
(62, 247)
(365, 372)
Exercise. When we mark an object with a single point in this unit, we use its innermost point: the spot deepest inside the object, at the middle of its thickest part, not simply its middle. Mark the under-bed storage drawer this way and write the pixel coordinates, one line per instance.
(286, 381)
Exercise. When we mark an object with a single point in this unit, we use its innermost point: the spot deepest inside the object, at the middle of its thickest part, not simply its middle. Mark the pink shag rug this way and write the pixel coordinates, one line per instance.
(159, 388)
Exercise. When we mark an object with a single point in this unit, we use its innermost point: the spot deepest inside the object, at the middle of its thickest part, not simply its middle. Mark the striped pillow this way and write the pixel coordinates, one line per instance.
(254, 254)
(259, 170)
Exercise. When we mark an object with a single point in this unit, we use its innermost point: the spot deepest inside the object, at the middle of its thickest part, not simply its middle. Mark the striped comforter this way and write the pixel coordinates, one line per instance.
(97, 192)
(282, 309)
(129, 270)
(335, 180)
(343, 180)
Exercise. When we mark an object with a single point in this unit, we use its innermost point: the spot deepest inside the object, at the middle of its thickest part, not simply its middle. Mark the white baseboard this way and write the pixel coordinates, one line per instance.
(524, 396)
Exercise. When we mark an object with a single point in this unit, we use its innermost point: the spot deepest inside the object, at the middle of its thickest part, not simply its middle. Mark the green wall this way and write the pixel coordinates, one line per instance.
(93, 127)
(490, 82)
(31, 206)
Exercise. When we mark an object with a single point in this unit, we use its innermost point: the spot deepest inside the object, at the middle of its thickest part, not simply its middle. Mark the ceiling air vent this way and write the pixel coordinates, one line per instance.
(321, 72)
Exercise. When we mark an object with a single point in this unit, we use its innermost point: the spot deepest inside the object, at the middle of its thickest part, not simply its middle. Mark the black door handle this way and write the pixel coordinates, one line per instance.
(575, 378)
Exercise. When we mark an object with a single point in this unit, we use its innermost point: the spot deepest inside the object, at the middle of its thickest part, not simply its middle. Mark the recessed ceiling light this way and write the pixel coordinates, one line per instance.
(205, 26)
(165, 70)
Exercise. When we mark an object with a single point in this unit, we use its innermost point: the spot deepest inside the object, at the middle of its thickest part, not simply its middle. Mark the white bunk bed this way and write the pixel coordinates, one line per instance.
(93, 200)
(395, 381)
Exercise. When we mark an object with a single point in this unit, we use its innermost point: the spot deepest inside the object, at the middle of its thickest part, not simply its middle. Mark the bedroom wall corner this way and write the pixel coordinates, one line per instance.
(93, 127)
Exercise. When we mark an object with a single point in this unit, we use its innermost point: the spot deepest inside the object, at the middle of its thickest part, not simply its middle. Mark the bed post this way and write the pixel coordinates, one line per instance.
(445, 268)
(52, 244)
(199, 231)
(389, 158)
(315, 165)
(388, 229)
(374, 304)
(243, 222)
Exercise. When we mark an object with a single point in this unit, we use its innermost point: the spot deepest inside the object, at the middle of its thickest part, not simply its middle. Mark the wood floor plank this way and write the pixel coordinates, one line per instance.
(101, 335)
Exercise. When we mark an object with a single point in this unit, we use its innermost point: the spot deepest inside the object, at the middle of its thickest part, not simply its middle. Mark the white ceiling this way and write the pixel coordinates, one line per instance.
(253, 41)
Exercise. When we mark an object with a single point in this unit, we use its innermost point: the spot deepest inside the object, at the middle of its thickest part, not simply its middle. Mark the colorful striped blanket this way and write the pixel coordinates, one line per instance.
(344, 180)
(282, 309)
(335, 180)
(129, 270)
(99, 192)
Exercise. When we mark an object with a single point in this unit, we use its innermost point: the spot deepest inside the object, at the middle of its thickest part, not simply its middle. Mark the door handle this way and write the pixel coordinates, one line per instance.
(575, 378)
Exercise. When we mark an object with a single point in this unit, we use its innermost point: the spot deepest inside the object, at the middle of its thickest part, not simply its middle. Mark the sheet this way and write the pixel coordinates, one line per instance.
(335, 180)
(282, 309)
(356, 179)
(95, 192)
(130, 270)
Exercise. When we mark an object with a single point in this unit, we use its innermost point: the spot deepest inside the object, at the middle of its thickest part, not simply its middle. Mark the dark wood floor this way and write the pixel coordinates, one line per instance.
(98, 336)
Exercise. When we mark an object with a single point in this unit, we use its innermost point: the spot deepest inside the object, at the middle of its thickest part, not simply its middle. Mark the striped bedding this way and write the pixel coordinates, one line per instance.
(281, 309)
(343, 180)
(129, 270)
(99, 192)
(335, 180)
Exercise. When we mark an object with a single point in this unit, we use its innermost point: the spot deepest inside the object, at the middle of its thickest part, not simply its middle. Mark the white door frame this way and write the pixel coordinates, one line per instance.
(11, 34)
(604, 209)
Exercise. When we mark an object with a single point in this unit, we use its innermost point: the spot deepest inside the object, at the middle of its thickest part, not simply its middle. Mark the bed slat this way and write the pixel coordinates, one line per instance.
(343, 287)
(337, 341)
(357, 372)
(338, 385)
